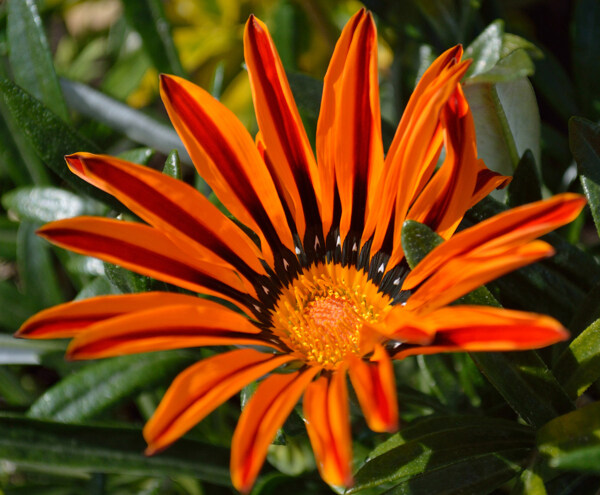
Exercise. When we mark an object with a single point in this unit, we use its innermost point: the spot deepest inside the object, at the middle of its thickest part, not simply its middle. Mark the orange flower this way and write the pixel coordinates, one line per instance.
(325, 291)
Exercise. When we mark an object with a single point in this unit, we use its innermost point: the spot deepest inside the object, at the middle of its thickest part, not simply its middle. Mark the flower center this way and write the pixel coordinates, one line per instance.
(320, 315)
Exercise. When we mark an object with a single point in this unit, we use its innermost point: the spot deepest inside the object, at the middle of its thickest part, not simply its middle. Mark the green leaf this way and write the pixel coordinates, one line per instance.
(525, 186)
(141, 156)
(87, 449)
(526, 384)
(572, 441)
(8, 239)
(126, 281)
(11, 163)
(485, 50)
(134, 124)
(50, 138)
(579, 364)
(99, 386)
(172, 166)
(417, 240)
(507, 122)
(515, 65)
(30, 57)
(435, 447)
(36, 268)
(147, 17)
(99, 286)
(46, 204)
(584, 141)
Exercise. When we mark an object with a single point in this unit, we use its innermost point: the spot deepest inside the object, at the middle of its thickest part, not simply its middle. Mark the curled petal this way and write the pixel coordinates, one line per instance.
(328, 424)
(264, 414)
(481, 328)
(203, 387)
(69, 319)
(375, 387)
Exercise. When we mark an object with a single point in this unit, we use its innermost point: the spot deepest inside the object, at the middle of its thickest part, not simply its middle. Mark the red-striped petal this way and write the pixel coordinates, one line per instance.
(203, 387)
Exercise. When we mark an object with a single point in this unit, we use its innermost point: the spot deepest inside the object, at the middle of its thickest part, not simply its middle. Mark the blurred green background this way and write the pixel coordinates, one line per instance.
(83, 76)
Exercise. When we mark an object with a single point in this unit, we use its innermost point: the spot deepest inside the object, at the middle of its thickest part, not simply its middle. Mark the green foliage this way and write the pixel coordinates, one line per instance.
(524, 423)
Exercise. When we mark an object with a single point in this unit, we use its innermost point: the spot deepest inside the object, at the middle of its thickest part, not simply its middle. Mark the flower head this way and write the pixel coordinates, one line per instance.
(325, 292)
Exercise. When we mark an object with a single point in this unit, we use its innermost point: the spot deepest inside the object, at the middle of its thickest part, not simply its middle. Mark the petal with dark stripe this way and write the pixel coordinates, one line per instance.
(203, 387)
(264, 414)
(69, 319)
(173, 207)
(171, 327)
(479, 328)
(294, 169)
(511, 228)
(375, 387)
(144, 250)
(349, 147)
(226, 157)
(327, 416)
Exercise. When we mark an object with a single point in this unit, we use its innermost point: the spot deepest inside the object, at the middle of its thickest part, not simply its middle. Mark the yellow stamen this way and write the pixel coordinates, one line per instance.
(320, 315)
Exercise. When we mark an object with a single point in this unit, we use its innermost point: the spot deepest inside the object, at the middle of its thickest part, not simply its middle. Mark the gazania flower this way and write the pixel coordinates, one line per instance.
(322, 289)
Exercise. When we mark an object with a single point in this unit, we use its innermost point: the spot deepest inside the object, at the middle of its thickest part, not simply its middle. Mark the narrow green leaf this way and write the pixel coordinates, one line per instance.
(525, 186)
(147, 17)
(126, 281)
(89, 449)
(584, 141)
(11, 163)
(17, 351)
(36, 268)
(417, 241)
(172, 166)
(8, 239)
(477, 475)
(46, 204)
(134, 124)
(50, 137)
(573, 439)
(436, 444)
(579, 364)
(102, 385)
(30, 57)
(526, 384)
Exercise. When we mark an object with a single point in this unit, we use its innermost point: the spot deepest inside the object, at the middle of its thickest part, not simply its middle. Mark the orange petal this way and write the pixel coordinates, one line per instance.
(286, 144)
(69, 319)
(480, 328)
(171, 327)
(264, 414)
(409, 162)
(328, 424)
(144, 250)
(445, 199)
(203, 387)
(349, 128)
(226, 157)
(173, 207)
(375, 387)
(465, 273)
(506, 230)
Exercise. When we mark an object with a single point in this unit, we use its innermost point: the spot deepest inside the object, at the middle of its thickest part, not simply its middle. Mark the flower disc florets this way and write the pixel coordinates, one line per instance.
(321, 314)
